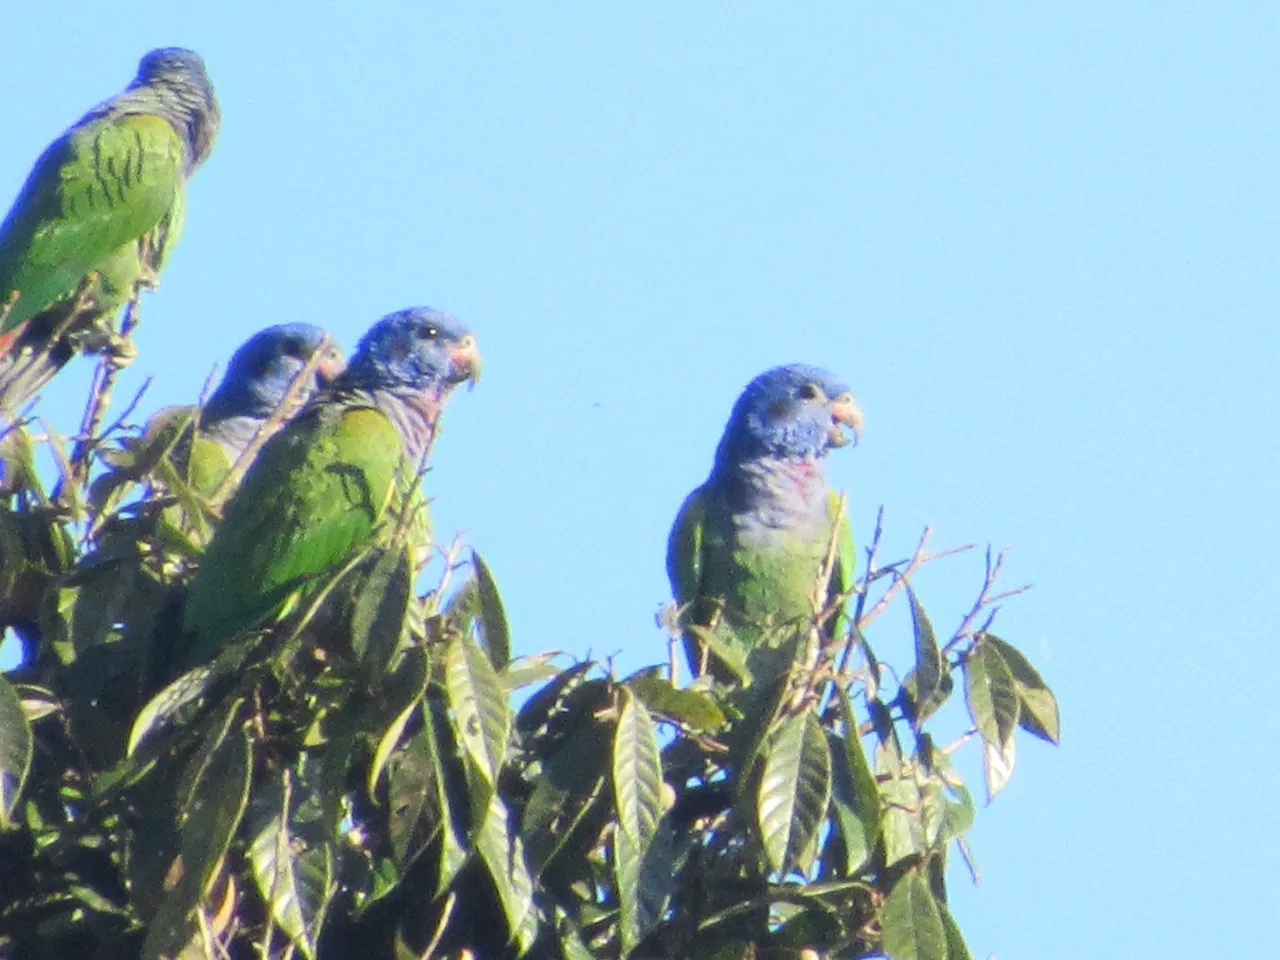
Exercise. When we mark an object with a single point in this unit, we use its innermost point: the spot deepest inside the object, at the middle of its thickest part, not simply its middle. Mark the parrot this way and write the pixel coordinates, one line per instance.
(99, 213)
(256, 382)
(254, 385)
(333, 481)
(748, 546)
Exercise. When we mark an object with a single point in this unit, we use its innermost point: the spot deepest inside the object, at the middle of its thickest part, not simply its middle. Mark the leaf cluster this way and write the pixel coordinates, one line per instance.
(390, 782)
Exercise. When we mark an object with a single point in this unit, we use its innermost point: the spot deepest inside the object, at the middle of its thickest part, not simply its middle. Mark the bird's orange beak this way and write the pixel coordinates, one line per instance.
(844, 410)
(330, 366)
(466, 361)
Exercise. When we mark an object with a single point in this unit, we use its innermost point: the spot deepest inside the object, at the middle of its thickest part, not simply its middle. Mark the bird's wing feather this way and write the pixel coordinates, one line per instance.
(95, 189)
(684, 548)
(315, 494)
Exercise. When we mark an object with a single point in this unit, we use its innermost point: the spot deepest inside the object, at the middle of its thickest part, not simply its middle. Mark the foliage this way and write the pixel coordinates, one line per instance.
(382, 778)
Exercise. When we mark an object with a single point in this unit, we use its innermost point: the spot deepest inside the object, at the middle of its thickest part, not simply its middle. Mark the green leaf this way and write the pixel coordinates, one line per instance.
(565, 813)
(16, 744)
(645, 879)
(439, 813)
(409, 783)
(403, 691)
(1039, 714)
(927, 685)
(481, 718)
(216, 729)
(795, 788)
(219, 794)
(216, 806)
(854, 794)
(957, 949)
(947, 808)
(637, 772)
(903, 825)
(928, 656)
(991, 694)
(997, 765)
(730, 657)
(172, 701)
(381, 607)
(293, 868)
(504, 859)
(493, 616)
(911, 922)
(571, 945)
(696, 710)
(523, 671)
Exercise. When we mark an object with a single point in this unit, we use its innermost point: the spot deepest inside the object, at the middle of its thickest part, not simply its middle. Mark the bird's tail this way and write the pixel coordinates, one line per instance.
(29, 357)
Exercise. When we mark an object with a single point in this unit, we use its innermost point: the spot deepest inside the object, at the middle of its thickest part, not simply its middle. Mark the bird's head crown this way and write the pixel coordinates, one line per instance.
(795, 411)
(413, 350)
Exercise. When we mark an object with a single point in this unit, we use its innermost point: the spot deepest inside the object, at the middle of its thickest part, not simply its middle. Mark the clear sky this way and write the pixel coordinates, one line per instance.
(1039, 240)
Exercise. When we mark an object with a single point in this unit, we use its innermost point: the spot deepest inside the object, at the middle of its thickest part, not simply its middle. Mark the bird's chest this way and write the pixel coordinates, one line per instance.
(771, 545)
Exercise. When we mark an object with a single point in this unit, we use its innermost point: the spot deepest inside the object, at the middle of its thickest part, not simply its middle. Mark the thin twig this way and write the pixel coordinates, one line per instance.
(118, 423)
(918, 559)
(104, 379)
(288, 403)
(823, 607)
(985, 599)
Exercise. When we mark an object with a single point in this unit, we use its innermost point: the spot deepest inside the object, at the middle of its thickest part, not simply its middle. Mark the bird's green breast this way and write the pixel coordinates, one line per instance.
(760, 582)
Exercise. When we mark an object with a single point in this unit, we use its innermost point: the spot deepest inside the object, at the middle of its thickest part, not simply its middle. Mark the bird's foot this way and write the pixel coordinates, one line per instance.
(120, 350)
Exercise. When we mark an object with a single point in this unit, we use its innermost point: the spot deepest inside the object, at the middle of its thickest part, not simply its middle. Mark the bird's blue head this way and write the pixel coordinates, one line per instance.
(261, 369)
(413, 351)
(793, 412)
(190, 102)
(172, 63)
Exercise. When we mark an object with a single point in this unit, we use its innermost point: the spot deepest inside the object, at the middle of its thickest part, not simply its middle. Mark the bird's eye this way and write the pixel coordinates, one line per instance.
(429, 333)
(292, 348)
(807, 392)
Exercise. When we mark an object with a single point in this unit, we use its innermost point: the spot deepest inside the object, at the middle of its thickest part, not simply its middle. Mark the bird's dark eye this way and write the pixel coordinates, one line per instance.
(807, 392)
(292, 348)
(428, 333)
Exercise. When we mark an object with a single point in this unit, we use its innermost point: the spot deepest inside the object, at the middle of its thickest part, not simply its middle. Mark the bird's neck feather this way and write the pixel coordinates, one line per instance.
(774, 492)
(415, 415)
(184, 105)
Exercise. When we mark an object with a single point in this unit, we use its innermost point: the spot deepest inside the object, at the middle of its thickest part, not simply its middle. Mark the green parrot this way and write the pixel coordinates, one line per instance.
(748, 546)
(334, 481)
(177, 455)
(99, 213)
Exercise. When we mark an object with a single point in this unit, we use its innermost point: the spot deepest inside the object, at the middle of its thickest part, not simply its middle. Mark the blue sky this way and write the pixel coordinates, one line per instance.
(1040, 241)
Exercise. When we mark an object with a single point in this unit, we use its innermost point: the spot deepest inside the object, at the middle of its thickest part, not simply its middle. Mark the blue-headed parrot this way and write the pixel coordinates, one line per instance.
(749, 545)
(100, 211)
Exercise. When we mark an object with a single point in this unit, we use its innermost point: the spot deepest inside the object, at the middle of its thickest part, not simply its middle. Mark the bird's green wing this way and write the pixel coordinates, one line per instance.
(100, 186)
(207, 464)
(313, 497)
(684, 549)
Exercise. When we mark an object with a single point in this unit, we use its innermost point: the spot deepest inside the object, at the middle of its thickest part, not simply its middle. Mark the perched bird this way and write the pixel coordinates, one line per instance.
(256, 382)
(748, 546)
(96, 218)
(333, 481)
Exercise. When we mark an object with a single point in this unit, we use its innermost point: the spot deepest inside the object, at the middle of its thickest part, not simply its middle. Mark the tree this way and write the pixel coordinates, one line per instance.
(388, 781)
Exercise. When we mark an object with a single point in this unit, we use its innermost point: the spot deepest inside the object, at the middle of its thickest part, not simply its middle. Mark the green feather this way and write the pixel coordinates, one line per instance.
(105, 197)
(749, 592)
(319, 492)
